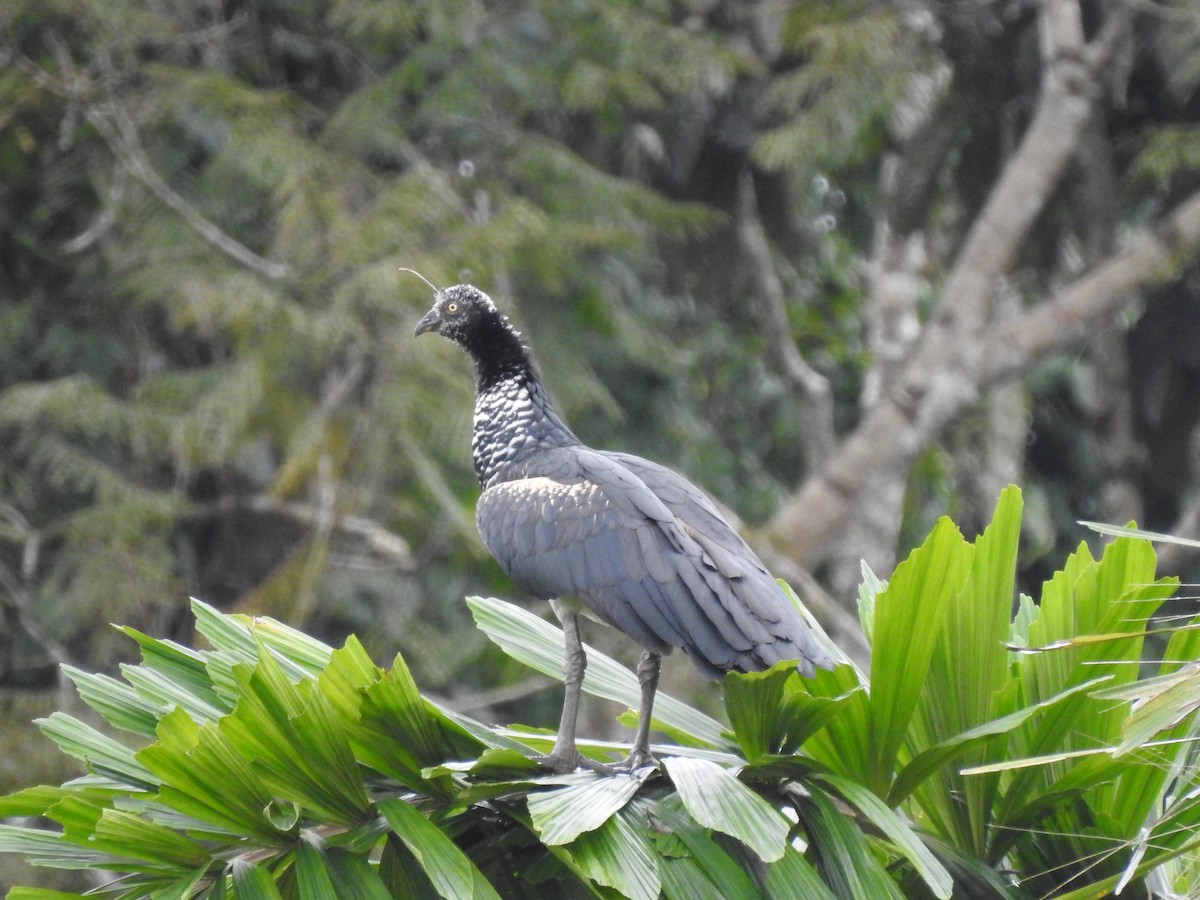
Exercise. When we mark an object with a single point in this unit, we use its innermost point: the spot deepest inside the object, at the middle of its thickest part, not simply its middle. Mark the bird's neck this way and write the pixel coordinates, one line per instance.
(514, 417)
(498, 354)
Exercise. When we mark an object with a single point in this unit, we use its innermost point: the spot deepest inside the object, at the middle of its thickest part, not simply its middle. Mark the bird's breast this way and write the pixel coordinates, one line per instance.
(511, 423)
(502, 429)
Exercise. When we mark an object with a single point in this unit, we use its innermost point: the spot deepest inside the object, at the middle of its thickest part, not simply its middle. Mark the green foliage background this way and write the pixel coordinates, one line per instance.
(208, 385)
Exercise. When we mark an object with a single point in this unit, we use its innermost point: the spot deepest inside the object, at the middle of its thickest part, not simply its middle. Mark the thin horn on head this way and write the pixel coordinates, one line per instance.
(436, 289)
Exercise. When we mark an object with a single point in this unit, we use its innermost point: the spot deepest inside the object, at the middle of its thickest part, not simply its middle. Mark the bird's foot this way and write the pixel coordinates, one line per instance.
(638, 758)
(560, 763)
(565, 762)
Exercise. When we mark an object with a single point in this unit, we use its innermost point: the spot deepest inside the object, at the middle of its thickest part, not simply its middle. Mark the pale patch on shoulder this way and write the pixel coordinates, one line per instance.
(540, 487)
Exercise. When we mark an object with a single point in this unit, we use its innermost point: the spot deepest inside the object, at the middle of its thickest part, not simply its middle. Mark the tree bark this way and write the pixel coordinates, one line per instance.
(938, 384)
(962, 351)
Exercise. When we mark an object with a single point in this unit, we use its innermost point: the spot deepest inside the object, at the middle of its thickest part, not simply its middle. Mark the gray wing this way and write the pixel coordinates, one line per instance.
(725, 550)
(586, 525)
(696, 511)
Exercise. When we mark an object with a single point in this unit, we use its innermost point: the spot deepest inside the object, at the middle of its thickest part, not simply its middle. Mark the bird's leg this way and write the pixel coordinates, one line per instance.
(648, 668)
(565, 757)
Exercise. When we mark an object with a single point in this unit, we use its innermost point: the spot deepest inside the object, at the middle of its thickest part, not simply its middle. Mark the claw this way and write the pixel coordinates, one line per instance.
(564, 764)
(638, 758)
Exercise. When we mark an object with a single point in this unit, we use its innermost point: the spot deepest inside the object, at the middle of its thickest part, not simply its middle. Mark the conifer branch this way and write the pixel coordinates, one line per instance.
(119, 132)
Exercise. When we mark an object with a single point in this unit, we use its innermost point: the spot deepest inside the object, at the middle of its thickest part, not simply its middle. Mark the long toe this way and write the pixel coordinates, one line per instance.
(638, 758)
(561, 763)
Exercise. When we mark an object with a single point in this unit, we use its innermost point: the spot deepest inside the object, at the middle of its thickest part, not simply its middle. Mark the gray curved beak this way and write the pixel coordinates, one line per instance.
(429, 322)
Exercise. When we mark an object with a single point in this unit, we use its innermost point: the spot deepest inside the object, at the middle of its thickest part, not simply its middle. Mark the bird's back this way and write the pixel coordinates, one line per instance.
(647, 552)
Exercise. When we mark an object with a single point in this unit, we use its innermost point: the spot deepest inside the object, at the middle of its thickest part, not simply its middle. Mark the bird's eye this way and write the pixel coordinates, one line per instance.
(451, 307)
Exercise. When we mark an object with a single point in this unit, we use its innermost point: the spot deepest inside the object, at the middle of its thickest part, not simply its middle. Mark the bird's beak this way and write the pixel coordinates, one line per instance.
(431, 321)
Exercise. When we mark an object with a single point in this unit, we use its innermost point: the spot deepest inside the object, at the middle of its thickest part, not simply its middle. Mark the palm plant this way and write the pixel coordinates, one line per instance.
(982, 755)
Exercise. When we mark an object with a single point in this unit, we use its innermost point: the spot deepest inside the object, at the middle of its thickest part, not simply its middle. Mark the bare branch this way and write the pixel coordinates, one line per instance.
(1068, 317)
(481, 701)
(379, 538)
(1169, 13)
(1069, 93)
(107, 217)
(811, 384)
(940, 384)
(20, 603)
(943, 374)
(895, 289)
(1172, 557)
(119, 132)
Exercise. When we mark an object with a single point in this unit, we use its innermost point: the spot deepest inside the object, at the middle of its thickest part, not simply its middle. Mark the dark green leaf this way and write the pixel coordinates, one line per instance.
(716, 799)
(617, 854)
(251, 882)
(453, 875)
(843, 857)
(899, 832)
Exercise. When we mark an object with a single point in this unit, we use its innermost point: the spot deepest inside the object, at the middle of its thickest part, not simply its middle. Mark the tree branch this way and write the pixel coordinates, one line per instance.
(811, 384)
(935, 389)
(20, 604)
(1067, 319)
(1069, 92)
(942, 375)
(119, 132)
(379, 538)
(107, 217)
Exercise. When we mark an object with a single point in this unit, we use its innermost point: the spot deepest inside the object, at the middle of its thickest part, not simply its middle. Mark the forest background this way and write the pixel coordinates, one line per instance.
(848, 265)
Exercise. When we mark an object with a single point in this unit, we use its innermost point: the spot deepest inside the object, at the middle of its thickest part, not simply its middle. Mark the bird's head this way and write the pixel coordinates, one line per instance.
(460, 313)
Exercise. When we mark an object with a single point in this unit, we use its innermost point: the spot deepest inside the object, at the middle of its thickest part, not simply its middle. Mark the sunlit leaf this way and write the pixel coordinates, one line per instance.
(206, 777)
(772, 713)
(928, 761)
(1140, 533)
(120, 704)
(292, 735)
(539, 645)
(908, 626)
(46, 848)
(717, 800)
(102, 754)
(562, 814)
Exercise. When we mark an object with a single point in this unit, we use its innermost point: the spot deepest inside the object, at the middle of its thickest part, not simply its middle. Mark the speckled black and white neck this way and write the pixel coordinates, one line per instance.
(513, 419)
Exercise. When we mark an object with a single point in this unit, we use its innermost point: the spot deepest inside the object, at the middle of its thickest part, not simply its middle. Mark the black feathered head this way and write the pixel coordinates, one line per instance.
(466, 315)
(458, 312)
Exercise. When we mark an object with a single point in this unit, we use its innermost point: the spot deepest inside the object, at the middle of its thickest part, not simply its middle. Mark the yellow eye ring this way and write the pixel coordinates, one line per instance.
(451, 307)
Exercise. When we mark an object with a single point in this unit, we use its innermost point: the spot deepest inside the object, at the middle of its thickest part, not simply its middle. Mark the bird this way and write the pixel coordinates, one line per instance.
(630, 541)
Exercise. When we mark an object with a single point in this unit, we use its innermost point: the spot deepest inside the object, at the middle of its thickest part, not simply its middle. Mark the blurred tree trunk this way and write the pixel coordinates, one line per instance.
(971, 345)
